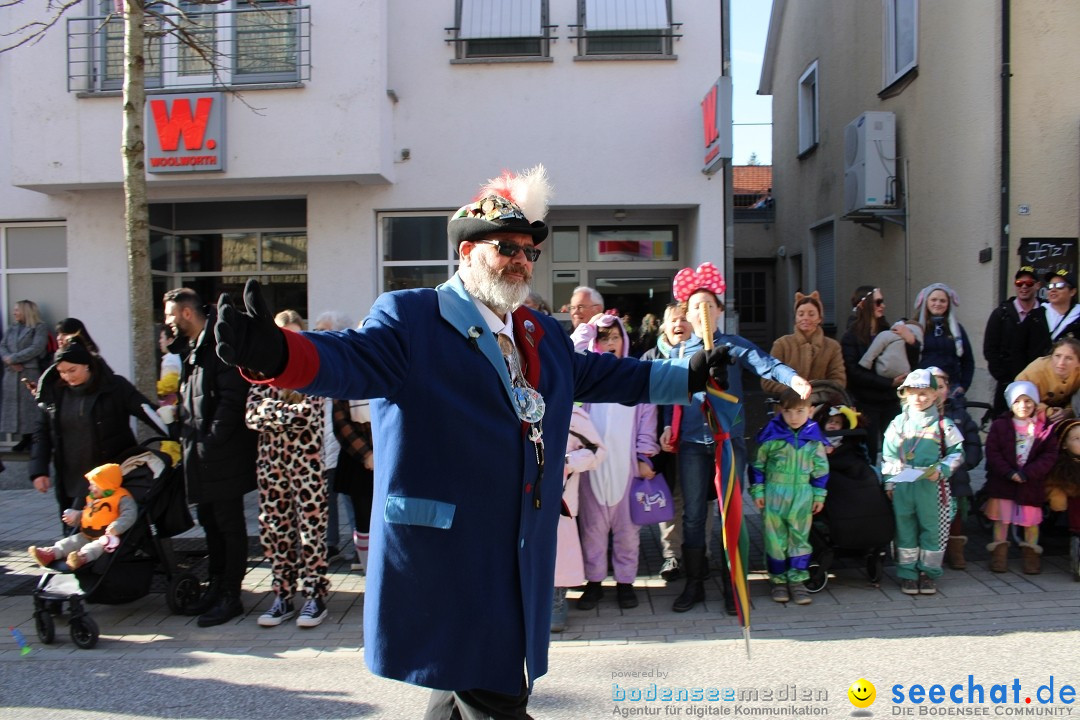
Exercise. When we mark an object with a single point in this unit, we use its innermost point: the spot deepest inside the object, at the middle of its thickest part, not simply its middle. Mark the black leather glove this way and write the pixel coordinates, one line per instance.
(706, 363)
(249, 338)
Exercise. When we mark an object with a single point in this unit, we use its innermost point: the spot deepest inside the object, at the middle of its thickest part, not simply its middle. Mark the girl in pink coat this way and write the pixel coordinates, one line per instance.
(629, 435)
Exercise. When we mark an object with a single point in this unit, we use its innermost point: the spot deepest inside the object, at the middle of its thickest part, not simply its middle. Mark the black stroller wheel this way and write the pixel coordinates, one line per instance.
(819, 578)
(875, 566)
(46, 627)
(84, 632)
(184, 591)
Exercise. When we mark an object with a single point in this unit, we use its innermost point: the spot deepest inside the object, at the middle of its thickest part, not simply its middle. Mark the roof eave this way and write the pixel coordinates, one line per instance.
(772, 46)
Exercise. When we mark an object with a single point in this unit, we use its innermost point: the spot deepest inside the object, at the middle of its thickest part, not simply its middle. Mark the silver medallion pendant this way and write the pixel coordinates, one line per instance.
(529, 404)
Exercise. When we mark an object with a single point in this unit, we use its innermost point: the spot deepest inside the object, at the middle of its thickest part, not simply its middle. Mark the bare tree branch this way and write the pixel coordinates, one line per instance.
(36, 30)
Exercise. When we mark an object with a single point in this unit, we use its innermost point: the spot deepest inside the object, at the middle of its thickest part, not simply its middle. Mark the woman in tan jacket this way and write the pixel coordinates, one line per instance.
(1057, 376)
(814, 356)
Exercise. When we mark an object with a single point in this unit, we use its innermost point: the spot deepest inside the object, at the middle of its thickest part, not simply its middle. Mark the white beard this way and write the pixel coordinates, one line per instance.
(487, 285)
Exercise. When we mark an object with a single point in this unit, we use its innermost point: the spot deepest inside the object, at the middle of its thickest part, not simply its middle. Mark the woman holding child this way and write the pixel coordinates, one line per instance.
(807, 350)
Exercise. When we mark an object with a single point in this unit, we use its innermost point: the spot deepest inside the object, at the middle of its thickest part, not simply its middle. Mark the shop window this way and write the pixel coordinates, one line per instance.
(808, 109)
(415, 251)
(617, 27)
(501, 29)
(901, 41)
(635, 244)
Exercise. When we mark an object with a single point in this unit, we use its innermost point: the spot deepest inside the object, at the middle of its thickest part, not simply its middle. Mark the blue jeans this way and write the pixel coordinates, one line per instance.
(697, 472)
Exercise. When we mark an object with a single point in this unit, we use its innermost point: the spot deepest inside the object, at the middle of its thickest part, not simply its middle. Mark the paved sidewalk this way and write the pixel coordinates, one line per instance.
(973, 601)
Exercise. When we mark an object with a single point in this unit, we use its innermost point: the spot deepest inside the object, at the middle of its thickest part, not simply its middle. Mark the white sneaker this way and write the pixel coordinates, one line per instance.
(312, 614)
(278, 613)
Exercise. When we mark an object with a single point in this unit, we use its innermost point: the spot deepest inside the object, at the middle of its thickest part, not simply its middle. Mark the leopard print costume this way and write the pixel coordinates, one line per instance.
(293, 510)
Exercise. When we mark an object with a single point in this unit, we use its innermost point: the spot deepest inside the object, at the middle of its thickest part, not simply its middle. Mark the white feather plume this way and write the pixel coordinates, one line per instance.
(529, 190)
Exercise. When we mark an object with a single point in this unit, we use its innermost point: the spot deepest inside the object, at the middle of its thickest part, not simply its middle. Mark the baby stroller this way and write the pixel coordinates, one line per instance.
(125, 574)
(857, 520)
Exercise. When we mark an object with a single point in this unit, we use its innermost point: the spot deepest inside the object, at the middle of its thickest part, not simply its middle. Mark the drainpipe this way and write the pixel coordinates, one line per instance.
(729, 211)
(1006, 74)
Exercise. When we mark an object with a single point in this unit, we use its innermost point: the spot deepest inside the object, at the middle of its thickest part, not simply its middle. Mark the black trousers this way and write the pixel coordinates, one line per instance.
(226, 540)
(477, 705)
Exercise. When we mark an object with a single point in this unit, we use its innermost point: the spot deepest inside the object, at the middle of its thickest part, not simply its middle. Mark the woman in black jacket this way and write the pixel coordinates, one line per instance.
(875, 395)
(85, 421)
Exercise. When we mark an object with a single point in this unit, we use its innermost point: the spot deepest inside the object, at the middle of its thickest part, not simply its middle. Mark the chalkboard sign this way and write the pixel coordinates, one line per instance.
(1049, 255)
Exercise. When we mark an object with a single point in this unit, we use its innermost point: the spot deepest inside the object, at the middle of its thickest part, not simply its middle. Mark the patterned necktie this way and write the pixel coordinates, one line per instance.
(509, 352)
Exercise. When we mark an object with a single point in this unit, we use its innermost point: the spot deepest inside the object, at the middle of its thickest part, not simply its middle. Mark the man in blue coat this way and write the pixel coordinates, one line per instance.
(472, 395)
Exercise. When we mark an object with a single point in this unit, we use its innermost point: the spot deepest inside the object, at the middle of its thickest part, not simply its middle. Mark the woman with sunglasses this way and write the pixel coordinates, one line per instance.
(945, 342)
(1056, 318)
(875, 395)
(1004, 342)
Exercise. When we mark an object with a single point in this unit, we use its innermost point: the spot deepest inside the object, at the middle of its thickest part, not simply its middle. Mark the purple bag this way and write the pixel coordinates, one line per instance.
(651, 501)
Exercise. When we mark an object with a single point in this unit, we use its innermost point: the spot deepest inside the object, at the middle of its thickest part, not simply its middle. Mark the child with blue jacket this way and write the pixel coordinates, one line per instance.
(788, 480)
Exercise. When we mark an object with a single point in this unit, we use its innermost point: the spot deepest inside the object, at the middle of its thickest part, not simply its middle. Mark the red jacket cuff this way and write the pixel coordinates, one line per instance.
(301, 367)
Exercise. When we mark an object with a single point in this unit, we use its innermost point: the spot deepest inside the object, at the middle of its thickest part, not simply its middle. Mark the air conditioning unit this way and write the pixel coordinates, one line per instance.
(870, 162)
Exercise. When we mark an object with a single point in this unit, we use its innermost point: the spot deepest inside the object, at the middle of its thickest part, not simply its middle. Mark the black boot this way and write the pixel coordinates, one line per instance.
(697, 570)
(209, 598)
(226, 609)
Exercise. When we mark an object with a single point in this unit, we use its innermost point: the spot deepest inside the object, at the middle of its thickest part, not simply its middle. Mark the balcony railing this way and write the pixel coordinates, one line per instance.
(538, 46)
(659, 42)
(226, 47)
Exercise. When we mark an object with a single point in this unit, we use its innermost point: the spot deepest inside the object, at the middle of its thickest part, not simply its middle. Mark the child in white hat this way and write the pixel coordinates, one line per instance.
(1020, 452)
(921, 450)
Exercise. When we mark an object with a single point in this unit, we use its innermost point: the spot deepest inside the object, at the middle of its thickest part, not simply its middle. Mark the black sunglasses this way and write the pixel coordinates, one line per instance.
(509, 249)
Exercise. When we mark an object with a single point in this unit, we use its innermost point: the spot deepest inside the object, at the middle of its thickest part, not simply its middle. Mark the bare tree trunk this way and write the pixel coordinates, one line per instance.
(136, 210)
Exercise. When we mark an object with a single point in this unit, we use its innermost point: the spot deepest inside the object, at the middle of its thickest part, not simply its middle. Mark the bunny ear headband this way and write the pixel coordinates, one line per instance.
(954, 301)
(706, 277)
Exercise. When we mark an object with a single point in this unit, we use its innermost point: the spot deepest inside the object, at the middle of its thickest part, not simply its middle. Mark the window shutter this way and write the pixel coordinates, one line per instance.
(626, 15)
(500, 18)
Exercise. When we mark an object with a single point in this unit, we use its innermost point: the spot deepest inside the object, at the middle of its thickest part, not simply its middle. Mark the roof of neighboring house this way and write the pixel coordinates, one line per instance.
(751, 179)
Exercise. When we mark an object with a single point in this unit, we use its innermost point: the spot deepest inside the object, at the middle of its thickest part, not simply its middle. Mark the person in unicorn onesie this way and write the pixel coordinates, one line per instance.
(629, 435)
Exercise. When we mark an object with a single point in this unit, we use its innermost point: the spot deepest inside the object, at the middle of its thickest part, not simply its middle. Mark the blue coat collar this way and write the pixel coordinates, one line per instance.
(457, 308)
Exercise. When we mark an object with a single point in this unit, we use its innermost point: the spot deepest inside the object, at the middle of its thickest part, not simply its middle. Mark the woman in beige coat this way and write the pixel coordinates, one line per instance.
(814, 356)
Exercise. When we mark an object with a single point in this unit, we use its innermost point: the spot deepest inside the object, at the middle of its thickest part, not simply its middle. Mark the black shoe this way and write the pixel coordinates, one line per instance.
(729, 603)
(24, 444)
(591, 597)
(210, 598)
(227, 608)
(332, 552)
(624, 593)
(692, 594)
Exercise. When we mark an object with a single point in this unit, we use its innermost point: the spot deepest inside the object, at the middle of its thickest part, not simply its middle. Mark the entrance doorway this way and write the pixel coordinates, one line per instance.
(634, 292)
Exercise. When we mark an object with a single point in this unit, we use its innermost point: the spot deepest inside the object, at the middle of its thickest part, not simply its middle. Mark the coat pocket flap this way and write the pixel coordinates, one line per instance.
(402, 510)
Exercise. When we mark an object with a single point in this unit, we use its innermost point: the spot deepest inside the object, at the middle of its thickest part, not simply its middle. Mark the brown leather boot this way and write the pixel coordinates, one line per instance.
(1032, 559)
(999, 556)
(954, 552)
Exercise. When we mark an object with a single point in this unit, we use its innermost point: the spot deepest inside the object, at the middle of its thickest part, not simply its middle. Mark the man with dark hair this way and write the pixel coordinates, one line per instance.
(1004, 345)
(471, 402)
(219, 452)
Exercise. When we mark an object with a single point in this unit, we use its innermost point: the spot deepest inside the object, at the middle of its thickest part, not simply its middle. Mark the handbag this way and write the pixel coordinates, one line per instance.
(651, 501)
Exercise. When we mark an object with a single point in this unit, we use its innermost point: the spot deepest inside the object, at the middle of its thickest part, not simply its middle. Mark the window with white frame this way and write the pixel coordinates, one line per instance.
(808, 109)
(414, 251)
(901, 42)
(618, 27)
(501, 28)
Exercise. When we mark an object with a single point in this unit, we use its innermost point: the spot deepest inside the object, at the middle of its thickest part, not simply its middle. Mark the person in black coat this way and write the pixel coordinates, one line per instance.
(1004, 346)
(84, 423)
(875, 395)
(219, 452)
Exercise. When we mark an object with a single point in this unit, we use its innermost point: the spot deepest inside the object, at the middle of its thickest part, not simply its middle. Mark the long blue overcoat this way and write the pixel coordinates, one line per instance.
(461, 562)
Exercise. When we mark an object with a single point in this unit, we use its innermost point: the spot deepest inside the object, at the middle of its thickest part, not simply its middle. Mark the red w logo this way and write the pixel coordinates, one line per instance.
(708, 112)
(170, 128)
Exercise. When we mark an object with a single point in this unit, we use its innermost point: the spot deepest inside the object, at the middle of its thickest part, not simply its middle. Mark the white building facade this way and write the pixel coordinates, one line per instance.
(347, 134)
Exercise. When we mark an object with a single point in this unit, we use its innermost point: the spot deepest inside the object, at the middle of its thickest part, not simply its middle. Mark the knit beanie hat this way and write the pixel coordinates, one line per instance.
(73, 352)
(106, 477)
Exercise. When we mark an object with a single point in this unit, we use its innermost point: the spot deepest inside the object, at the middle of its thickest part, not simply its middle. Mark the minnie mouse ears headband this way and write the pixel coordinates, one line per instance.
(706, 277)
